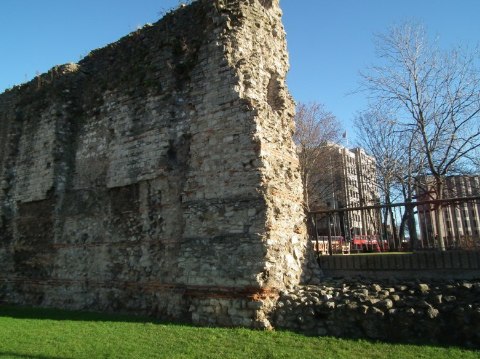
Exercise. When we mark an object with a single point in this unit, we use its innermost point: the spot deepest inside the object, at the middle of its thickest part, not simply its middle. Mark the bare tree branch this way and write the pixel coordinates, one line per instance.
(434, 94)
(315, 127)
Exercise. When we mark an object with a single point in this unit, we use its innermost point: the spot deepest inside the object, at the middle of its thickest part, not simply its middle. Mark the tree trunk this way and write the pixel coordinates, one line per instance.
(412, 227)
(401, 230)
(394, 228)
(438, 214)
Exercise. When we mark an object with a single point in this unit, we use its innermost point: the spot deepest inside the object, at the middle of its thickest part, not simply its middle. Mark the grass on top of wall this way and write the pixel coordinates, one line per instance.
(41, 334)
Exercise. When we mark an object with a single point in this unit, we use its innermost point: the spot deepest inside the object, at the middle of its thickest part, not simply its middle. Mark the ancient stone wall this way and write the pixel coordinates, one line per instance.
(420, 311)
(158, 175)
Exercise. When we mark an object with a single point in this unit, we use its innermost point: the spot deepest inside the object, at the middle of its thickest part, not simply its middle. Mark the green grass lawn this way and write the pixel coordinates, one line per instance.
(41, 334)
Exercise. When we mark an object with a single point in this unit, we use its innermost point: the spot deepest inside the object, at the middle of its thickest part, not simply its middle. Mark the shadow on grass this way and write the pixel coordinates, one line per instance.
(413, 341)
(28, 356)
(424, 346)
(22, 312)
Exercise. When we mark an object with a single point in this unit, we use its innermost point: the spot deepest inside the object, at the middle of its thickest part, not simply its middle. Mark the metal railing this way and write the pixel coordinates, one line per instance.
(444, 224)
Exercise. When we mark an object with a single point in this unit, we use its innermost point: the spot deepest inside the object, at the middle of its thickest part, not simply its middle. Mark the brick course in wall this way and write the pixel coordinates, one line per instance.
(158, 175)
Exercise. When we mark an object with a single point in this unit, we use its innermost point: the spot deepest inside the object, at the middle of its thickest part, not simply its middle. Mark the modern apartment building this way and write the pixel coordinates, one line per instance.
(460, 222)
(348, 180)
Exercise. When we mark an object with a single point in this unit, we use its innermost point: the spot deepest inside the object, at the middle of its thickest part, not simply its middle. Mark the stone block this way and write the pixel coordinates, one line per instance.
(438, 260)
(422, 260)
(474, 258)
(430, 260)
(407, 262)
(456, 260)
(386, 263)
(447, 260)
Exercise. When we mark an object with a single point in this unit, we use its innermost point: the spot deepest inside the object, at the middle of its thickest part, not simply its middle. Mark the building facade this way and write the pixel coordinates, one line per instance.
(460, 221)
(348, 181)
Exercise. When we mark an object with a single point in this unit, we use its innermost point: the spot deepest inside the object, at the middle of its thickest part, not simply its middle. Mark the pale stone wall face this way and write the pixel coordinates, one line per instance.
(158, 175)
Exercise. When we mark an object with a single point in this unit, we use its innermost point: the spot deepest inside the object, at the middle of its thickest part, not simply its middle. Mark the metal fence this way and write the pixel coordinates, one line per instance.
(445, 224)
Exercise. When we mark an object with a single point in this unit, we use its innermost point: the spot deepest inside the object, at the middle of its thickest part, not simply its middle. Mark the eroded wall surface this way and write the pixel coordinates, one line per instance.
(158, 175)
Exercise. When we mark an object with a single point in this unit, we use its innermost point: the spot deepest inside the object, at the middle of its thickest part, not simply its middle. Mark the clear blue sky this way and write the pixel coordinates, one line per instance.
(329, 41)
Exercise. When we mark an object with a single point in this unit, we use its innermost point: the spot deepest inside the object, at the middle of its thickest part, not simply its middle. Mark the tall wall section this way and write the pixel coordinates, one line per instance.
(158, 175)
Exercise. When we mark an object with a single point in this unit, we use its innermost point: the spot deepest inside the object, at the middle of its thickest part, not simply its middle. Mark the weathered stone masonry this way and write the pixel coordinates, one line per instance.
(158, 175)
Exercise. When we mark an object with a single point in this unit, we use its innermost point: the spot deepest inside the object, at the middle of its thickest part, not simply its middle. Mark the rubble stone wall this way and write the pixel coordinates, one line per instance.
(434, 311)
(158, 175)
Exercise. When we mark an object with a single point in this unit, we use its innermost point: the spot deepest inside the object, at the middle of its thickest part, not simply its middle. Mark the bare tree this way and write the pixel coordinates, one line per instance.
(475, 159)
(376, 134)
(435, 94)
(397, 163)
(315, 127)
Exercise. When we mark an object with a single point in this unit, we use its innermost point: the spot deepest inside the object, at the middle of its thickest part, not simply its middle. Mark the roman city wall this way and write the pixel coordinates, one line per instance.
(158, 175)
